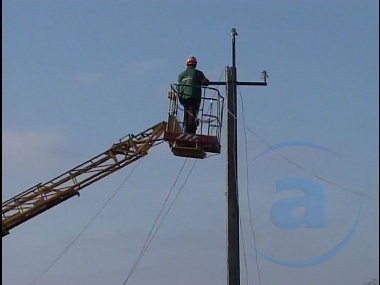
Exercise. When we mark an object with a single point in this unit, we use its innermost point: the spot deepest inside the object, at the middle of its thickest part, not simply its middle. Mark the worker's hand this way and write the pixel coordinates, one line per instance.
(205, 82)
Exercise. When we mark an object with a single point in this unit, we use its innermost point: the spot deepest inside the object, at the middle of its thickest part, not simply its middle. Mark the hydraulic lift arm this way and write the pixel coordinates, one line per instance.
(42, 197)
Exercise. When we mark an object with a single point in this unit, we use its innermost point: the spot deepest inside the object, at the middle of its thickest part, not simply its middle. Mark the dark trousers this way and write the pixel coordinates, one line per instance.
(191, 108)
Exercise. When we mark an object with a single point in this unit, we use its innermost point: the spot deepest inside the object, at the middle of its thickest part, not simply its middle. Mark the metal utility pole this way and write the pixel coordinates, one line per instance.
(233, 230)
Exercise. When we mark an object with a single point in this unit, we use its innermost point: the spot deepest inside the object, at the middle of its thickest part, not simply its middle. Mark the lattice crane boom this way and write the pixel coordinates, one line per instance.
(42, 197)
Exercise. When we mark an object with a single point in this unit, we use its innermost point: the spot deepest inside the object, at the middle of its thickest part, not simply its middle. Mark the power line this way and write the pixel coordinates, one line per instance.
(248, 196)
(156, 225)
(87, 225)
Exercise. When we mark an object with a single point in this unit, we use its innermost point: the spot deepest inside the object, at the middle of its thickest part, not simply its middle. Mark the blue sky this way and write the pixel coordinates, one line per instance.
(79, 75)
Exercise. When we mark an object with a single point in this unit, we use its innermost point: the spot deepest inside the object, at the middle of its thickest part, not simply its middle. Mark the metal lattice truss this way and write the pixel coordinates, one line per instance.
(42, 197)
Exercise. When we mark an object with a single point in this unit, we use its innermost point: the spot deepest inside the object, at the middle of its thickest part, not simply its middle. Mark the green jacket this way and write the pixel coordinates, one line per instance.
(190, 82)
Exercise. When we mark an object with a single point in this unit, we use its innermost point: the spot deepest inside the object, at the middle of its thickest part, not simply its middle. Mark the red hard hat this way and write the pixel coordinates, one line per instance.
(191, 60)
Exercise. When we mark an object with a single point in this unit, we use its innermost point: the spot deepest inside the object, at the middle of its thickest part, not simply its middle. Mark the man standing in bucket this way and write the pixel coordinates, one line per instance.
(190, 93)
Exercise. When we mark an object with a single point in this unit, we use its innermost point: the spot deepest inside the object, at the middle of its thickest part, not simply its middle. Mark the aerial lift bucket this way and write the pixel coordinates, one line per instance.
(207, 138)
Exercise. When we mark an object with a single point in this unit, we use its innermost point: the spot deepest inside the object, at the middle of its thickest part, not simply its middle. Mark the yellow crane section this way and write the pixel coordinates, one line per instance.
(42, 197)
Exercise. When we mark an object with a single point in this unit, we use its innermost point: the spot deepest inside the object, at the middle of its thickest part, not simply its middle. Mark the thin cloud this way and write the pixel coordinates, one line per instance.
(28, 150)
(86, 78)
(144, 67)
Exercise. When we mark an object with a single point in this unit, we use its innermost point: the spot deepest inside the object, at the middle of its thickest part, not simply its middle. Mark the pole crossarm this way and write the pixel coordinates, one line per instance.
(246, 83)
(251, 83)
